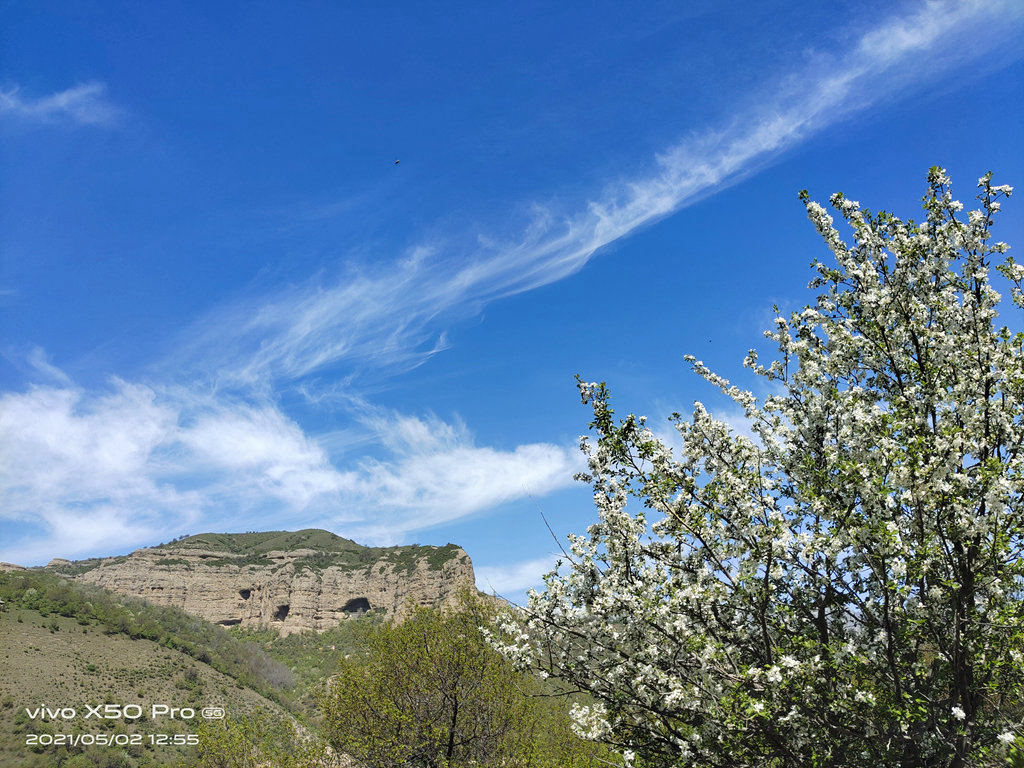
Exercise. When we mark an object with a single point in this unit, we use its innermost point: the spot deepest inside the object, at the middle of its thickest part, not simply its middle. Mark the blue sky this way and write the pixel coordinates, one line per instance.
(223, 306)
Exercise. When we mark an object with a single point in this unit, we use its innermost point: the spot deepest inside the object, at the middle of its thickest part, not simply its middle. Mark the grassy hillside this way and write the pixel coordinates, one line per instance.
(69, 644)
(56, 661)
(51, 594)
(253, 549)
(311, 656)
(262, 542)
(331, 550)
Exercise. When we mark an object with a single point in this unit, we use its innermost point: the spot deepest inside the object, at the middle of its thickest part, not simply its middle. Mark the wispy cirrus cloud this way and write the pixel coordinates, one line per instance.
(393, 317)
(83, 104)
(41, 364)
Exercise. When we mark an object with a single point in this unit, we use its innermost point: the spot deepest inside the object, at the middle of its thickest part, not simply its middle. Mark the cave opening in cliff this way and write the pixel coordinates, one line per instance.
(281, 612)
(245, 593)
(357, 605)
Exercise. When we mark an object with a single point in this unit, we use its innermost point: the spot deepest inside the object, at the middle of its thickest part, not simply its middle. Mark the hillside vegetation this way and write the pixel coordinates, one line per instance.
(50, 594)
(53, 660)
(311, 656)
(255, 548)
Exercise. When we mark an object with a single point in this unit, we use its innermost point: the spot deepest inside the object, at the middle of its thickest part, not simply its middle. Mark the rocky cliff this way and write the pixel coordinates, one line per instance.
(287, 581)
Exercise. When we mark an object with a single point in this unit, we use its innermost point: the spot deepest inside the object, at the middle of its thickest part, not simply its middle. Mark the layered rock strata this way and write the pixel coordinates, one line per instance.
(237, 579)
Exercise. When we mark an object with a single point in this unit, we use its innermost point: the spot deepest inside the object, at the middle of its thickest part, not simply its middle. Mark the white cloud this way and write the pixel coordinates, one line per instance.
(101, 529)
(515, 577)
(413, 435)
(436, 474)
(85, 104)
(390, 319)
(75, 446)
(236, 440)
(433, 488)
(86, 468)
(135, 463)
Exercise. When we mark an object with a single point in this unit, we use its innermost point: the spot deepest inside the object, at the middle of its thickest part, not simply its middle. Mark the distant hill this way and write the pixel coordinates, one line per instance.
(67, 644)
(287, 581)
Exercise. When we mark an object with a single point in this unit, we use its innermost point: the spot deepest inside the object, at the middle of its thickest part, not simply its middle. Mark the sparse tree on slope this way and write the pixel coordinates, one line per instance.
(846, 588)
(431, 693)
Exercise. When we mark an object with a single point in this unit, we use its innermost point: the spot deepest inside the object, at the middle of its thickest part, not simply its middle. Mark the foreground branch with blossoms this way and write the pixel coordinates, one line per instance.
(845, 589)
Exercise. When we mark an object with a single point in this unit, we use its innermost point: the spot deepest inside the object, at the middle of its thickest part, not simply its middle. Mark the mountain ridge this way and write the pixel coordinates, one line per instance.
(288, 581)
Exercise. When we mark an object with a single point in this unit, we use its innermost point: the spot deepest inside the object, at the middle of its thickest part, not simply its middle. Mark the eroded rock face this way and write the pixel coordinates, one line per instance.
(238, 579)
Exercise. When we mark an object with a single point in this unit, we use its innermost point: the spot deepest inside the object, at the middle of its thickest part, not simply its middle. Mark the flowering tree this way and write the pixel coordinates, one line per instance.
(844, 589)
